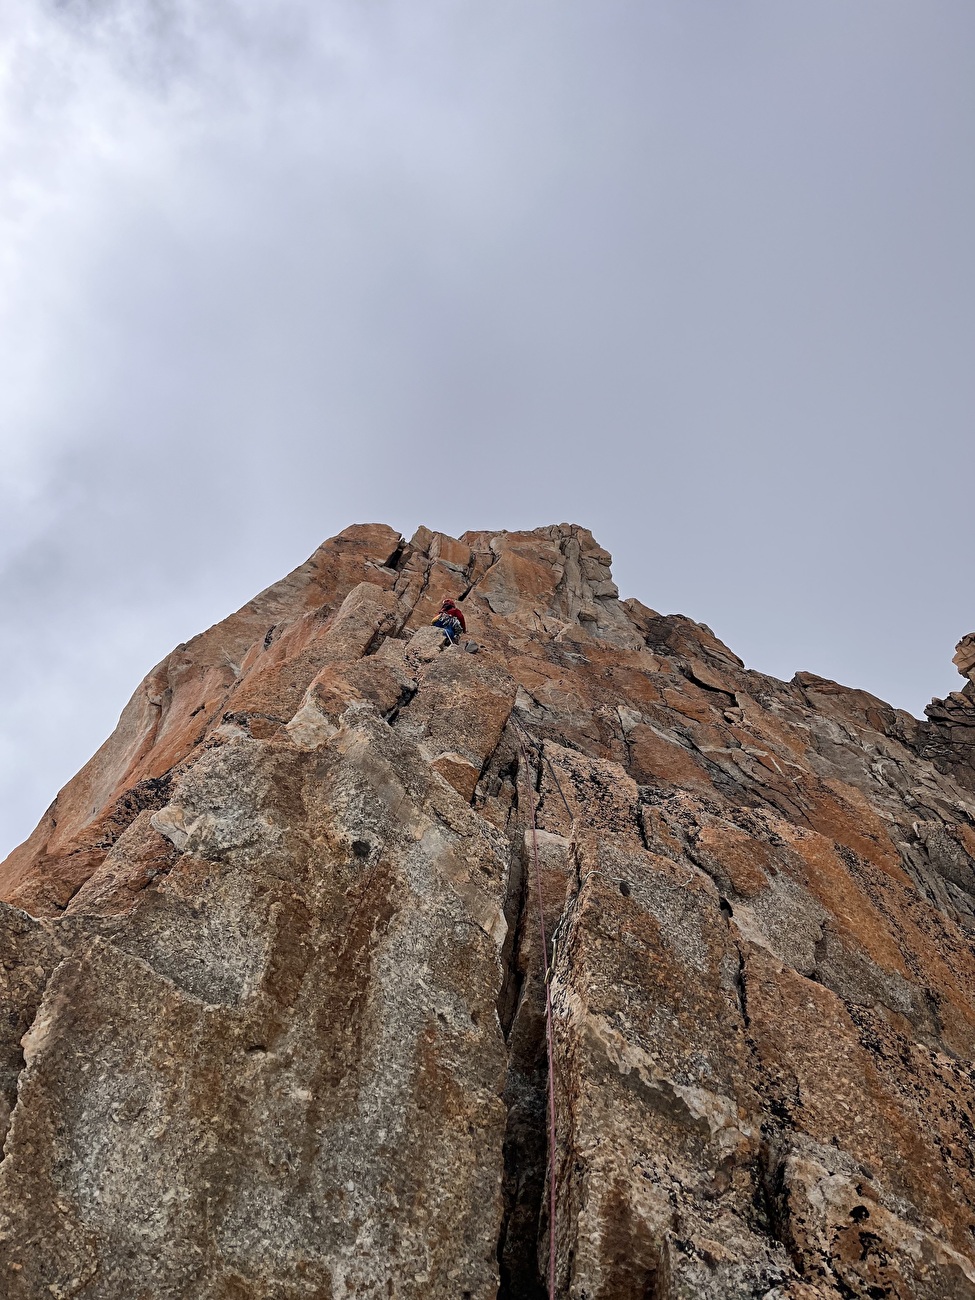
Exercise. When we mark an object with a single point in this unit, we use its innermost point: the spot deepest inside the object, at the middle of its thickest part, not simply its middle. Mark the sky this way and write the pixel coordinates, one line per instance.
(697, 274)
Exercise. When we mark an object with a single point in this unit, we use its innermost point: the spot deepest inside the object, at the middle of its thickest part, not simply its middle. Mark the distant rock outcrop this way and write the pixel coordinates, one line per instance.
(273, 997)
(951, 730)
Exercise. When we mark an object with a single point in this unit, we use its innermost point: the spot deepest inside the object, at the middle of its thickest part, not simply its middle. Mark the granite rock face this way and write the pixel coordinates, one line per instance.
(273, 988)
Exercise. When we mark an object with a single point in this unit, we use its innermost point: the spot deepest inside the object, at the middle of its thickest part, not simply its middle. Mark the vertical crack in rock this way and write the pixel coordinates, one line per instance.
(522, 1014)
(772, 1202)
(399, 557)
(525, 1153)
(406, 694)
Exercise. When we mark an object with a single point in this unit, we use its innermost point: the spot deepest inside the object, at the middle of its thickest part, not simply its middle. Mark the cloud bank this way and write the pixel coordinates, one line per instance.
(698, 276)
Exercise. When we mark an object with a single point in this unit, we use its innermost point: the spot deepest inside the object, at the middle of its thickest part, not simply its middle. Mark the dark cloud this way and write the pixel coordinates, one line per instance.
(699, 276)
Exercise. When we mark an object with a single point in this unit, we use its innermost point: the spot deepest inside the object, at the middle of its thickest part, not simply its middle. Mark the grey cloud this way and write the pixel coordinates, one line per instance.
(699, 276)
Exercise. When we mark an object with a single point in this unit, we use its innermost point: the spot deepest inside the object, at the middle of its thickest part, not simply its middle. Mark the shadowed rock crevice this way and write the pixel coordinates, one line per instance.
(406, 694)
(772, 1202)
(522, 1244)
(525, 1162)
(525, 1151)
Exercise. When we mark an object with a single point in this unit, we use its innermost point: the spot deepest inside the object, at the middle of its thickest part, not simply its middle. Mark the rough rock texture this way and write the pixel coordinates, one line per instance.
(950, 732)
(273, 993)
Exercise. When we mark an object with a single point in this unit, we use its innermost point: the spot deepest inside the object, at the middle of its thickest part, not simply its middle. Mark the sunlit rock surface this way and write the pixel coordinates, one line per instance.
(273, 995)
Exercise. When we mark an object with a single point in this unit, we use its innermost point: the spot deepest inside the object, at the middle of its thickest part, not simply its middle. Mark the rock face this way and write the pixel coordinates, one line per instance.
(273, 990)
(950, 733)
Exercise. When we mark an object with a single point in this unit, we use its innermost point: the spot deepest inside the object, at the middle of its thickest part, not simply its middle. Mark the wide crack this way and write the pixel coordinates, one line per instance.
(521, 1009)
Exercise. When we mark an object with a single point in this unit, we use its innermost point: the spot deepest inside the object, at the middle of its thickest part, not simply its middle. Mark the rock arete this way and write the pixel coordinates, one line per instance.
(273, 996)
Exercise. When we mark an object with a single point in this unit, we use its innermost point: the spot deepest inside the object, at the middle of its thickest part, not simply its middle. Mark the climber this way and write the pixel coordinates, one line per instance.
(450, 620)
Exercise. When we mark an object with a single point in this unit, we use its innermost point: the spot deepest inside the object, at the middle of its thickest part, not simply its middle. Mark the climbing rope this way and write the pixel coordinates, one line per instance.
(549, 1035)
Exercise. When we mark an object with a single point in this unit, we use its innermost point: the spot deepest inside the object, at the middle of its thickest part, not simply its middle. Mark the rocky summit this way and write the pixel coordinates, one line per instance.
(274, 994)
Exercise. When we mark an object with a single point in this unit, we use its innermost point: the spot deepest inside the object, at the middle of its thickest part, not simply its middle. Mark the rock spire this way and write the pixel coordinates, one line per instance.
(273, 1002)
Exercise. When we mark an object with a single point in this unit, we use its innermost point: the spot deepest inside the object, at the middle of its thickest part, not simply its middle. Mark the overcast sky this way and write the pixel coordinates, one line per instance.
(697, 274)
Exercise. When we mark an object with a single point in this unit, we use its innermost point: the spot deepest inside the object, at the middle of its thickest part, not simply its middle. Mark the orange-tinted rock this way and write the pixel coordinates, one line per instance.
(739, 862)
(656, 760)
(184, 699)
(274, 1013)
